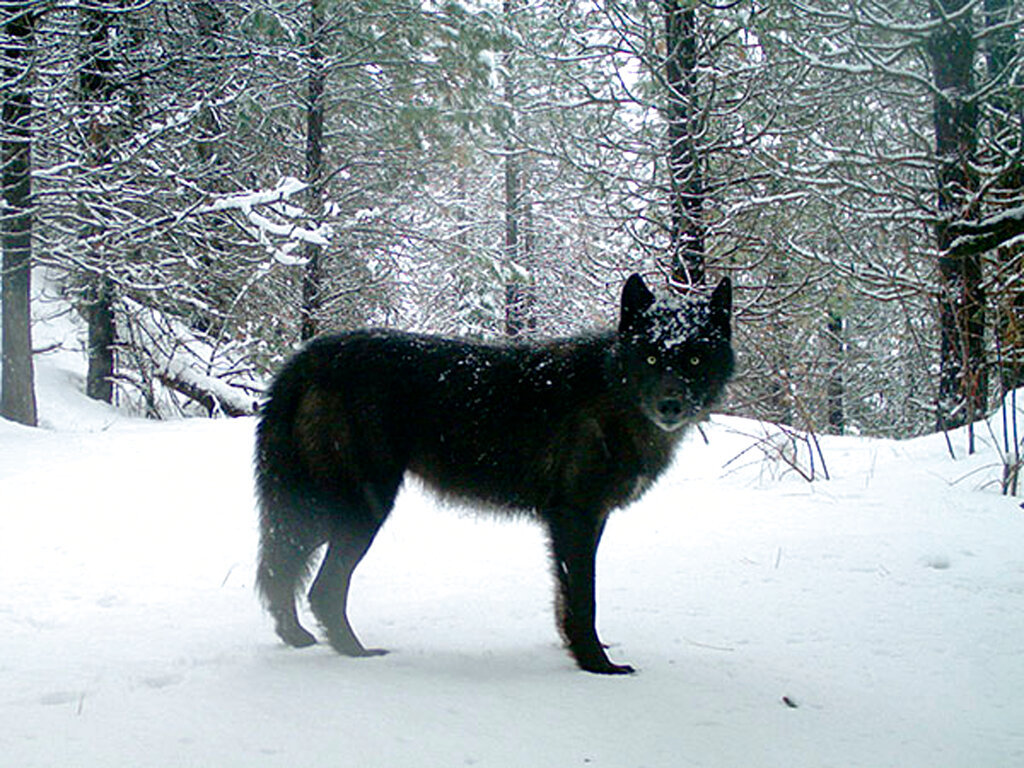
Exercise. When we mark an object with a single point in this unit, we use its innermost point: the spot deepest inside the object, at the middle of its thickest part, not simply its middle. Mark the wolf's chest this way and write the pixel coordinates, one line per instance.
(641, 484)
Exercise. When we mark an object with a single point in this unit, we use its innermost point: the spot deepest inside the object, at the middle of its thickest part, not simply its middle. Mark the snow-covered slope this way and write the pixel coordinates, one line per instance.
(885, 605)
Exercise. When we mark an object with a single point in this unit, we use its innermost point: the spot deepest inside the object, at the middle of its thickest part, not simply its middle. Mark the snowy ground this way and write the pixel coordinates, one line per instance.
(887, 605)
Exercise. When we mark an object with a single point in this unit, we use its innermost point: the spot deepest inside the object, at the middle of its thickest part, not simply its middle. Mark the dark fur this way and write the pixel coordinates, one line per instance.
(564, 430)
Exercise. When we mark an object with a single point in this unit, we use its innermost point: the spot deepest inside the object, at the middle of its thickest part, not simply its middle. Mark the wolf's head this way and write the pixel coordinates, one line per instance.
(675, 351)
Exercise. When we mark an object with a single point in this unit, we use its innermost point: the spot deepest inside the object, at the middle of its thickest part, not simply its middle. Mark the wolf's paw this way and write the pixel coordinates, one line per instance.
(607, 668)
(348, 645)
(368, 652)
(599, 664)
(296, 636)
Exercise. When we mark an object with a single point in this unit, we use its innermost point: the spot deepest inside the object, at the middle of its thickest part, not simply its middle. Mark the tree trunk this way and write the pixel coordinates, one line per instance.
(96, 89)
(686, 183)
(313, 272)
(17, 400)
(210, 25)
(519, 302)
(99, 314)
(1000, 45)
(962, 376)
(519, 292)
(513, 300)
(835, 389)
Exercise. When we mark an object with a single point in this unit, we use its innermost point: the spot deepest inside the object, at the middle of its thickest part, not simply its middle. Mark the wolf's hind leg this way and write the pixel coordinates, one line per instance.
(282, 566)
(351, 537)
(328, 596)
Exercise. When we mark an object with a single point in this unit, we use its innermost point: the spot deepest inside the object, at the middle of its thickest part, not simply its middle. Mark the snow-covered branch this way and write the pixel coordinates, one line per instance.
(176, 356)
(973, 237)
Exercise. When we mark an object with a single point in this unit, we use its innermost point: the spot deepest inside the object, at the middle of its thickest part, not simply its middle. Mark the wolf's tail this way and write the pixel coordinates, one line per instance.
(285, 535)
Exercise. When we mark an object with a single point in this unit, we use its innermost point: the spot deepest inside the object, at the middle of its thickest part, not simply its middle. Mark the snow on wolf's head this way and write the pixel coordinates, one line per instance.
(675, 351)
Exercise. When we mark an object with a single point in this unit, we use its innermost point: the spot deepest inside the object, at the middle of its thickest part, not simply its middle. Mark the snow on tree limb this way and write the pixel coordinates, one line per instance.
(974, 237)
(278, 221)
(183, 363)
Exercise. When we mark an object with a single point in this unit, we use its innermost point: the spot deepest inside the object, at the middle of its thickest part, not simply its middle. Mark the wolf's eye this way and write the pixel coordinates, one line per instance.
(695, 361)
(652, 360)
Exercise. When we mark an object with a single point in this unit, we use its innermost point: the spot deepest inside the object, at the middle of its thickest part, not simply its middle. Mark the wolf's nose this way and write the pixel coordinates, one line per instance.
(670, 408)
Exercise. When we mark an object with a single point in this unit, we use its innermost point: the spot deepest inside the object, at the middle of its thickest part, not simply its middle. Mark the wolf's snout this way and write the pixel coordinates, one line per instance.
(670, 408)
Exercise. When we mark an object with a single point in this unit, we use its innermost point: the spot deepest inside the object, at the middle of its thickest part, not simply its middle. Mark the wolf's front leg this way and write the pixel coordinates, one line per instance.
(574, 540)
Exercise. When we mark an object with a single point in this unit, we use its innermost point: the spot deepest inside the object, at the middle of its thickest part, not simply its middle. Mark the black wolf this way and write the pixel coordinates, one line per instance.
(564, 430)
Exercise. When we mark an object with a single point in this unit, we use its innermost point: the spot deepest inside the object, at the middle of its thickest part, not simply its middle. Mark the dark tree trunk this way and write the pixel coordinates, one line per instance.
(513, 288)
(99, 314)
(962, 375)
(519, 290)
(313, 272)
(96, 89)
(519, 295)
(1001, 45)
(210, 26)
(18, 400)
(686, 182)
(835, 389)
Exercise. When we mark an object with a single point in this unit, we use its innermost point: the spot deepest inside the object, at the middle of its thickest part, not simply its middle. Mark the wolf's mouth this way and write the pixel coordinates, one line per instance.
(671, 426)
(671, 414)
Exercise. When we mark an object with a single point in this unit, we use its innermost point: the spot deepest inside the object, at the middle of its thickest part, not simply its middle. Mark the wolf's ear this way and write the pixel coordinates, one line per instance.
(721, 307)
(636, 299)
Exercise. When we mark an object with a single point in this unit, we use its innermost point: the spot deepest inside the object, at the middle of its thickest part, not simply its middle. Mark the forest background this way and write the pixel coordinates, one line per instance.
(208, 182)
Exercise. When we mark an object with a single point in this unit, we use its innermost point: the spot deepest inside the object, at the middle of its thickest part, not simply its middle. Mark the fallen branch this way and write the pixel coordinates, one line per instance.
(169, 358)
(212, 398)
